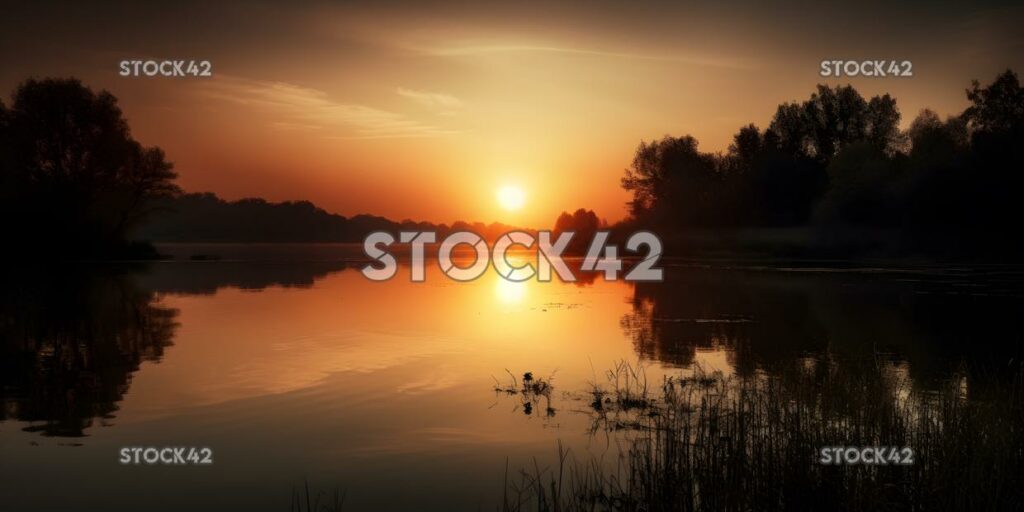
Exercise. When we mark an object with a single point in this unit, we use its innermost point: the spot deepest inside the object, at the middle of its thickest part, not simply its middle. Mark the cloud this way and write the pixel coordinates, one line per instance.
(296, 107)
(480, 50)
(433, 100)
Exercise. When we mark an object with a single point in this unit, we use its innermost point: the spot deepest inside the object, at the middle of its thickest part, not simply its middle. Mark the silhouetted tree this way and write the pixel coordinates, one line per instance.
(845, 159)
(673, 183)
(882, 126)
(932, 139)
(995, 121)
(7, 178)
(747, 146)
(781, 187)
(937, 174)
(863, 189)
(833, 117)
(998, 108)
(788, 130)
(584, 223)
(75, 179)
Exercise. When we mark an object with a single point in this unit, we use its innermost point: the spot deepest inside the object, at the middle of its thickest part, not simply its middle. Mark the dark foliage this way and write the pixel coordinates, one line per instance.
(583, 223)
(74, 181)
(840, 164)
(204, 217)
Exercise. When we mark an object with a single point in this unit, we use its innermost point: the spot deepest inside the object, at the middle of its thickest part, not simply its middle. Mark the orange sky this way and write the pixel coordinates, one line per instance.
(422, 111)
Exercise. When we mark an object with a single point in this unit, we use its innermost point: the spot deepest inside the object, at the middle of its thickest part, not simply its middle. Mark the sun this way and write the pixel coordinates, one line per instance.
(511, 197)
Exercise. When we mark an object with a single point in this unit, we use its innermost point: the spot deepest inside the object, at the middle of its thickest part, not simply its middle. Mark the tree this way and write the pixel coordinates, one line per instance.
(845, 159)
(747, 146)
(862, 192)
(995, 120)
(672, 182)
(583, 223)
(832, 118)
(835, 118)
(77, 177)
(940, 182)
(998, 107)
(882, 124)
(788, 130)
(6, 172)
(933, 141)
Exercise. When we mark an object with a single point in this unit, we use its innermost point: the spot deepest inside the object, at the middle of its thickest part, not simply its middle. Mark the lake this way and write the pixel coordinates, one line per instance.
(293, 368)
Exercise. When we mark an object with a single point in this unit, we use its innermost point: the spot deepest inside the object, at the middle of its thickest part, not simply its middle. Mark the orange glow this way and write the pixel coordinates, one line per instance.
(510, 292)
(511, 197)
(347, 324)
(416, 114)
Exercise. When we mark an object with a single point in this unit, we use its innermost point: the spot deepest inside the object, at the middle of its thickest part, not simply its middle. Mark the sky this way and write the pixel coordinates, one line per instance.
(425, 110)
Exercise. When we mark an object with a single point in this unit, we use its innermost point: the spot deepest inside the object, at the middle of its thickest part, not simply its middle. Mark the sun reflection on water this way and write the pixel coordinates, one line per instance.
(509, 292)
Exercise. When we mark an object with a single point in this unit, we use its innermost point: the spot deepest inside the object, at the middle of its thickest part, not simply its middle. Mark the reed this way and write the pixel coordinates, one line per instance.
(708, 442)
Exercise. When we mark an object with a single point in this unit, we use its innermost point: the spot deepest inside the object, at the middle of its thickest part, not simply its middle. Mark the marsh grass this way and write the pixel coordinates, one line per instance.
(304, 501)
(705, 441)
(532, 392)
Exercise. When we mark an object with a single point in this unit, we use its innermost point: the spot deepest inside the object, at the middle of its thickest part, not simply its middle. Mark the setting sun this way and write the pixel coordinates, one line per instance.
(511, 197)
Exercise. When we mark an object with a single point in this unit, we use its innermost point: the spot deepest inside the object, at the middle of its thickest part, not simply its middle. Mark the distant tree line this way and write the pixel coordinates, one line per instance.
(840, 163)
(583, 223)
(204, 217)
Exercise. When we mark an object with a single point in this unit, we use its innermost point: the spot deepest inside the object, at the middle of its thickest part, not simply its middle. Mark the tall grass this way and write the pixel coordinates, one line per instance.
(709, 442)
(304, 501)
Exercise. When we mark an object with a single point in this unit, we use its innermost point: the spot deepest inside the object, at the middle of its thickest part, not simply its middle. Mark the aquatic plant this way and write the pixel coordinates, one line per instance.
(705, 441)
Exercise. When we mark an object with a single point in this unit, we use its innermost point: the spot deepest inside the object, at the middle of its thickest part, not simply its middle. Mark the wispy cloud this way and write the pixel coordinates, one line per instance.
(480, 50)
(296, 107)
(433, 100)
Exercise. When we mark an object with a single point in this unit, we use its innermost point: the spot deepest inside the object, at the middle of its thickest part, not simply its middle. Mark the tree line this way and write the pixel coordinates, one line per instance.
(204, 217)
(840, 164)
(74, 183)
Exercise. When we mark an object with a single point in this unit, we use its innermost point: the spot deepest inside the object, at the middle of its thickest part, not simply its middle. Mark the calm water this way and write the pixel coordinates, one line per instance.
(292, 367)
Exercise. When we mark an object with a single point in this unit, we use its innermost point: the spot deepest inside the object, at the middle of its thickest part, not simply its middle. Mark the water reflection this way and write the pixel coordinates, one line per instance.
(763, 318)
(510, 292)
(70, 343)
(71, 340)
(323, 372)
(205, 278)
